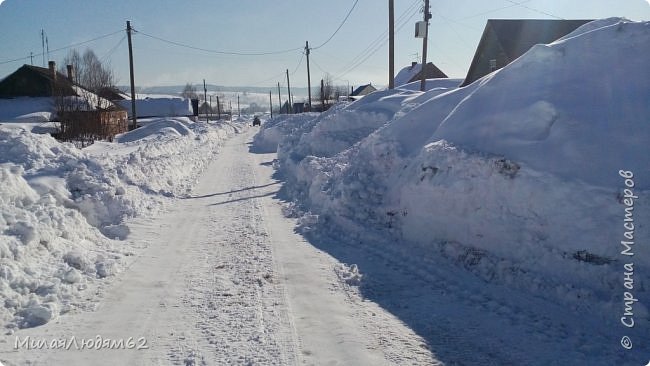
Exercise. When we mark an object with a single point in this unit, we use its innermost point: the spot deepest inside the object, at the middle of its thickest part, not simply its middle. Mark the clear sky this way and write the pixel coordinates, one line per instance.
(357, 54)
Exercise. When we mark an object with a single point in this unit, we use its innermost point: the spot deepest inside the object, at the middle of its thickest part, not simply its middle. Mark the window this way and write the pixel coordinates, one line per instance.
(493, 64)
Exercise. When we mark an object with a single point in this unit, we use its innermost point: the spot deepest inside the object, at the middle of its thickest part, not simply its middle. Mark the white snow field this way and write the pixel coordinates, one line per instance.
(494, 219)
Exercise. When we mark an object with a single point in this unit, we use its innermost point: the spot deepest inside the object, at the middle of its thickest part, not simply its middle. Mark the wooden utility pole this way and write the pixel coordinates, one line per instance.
(427, 16)
(270, 104)
(210, 106)
(308, 76)
(290, 102)
(322, 95)
(133, 114)
(238, 109)
(391, 44)
(218, 107)
(43, 43)
(279, 99)
(205, 99)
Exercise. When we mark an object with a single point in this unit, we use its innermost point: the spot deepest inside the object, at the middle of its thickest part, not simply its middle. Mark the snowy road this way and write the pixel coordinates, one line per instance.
(226, 280)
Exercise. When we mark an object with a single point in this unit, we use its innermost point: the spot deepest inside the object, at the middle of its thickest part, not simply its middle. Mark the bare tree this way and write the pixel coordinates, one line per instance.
(327, 91)
(189, 92)
(80, 109)
(90, 72)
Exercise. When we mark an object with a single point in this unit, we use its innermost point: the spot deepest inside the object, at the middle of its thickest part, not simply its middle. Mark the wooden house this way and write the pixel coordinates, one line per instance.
(80, 112)
(504, 40)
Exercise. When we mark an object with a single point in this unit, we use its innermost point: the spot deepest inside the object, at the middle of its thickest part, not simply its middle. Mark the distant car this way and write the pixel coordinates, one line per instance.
(256, 121)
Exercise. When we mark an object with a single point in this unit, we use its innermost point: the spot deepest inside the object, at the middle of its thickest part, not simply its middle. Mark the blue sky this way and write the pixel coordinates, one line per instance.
(267, 26)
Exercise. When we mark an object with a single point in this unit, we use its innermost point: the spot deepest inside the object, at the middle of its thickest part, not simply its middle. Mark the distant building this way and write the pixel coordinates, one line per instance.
(363, 90)
(300, 107)
(504, 40)
(414, 72)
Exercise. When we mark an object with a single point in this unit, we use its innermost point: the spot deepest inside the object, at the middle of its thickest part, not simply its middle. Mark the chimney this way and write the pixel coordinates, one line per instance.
(52, 66)
(70, 73)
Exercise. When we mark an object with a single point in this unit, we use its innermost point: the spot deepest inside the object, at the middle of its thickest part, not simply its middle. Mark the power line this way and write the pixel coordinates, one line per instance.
(299, 63)
(112, 50)
(237, 53)
(535, 10)
(494, 10)
(280, 74)
(377, 48)
(341, 25)
(64, 48)
(379, 41)
(318, 66)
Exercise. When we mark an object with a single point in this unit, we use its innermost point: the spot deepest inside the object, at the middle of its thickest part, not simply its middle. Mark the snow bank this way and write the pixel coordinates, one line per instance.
(160, 126)
(515, 177)
(64, 209)
(25, 109)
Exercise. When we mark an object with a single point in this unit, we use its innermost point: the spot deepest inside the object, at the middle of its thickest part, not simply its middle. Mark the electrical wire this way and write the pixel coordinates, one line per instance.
(63, 48)
(299, 63)
(378, 47)
(340, 25)
(381, 40)
(236, 53)
(493, 10)
(535, 10)
(383, 36)
(112, 50)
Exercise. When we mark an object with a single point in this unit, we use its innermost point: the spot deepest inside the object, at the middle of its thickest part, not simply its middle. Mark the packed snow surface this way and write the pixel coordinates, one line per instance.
(521, 179)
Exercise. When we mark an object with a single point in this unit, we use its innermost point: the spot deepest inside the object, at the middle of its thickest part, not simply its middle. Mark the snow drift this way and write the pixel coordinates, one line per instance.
(515, 177)
(64, 209)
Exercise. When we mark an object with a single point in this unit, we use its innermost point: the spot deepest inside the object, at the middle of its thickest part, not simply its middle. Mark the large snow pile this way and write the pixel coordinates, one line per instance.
(519, 177)
(64, 209)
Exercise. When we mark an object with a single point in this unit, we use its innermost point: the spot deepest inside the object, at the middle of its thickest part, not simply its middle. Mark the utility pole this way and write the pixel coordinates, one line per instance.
(218, 108)
(133, 115)
(43, 45)
(210, 107)
(427, 16)
(31, 57)
(279, 99)
(289, 103)
(308, 76)
(238, 109)
(322, 95)
(205, 100)
(391, 44)
(270, 104)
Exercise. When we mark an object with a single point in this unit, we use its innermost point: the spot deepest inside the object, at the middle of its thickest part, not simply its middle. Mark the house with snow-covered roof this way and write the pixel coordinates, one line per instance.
(33, 90)
(504, 40)
(362, 90)
(414, 72)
